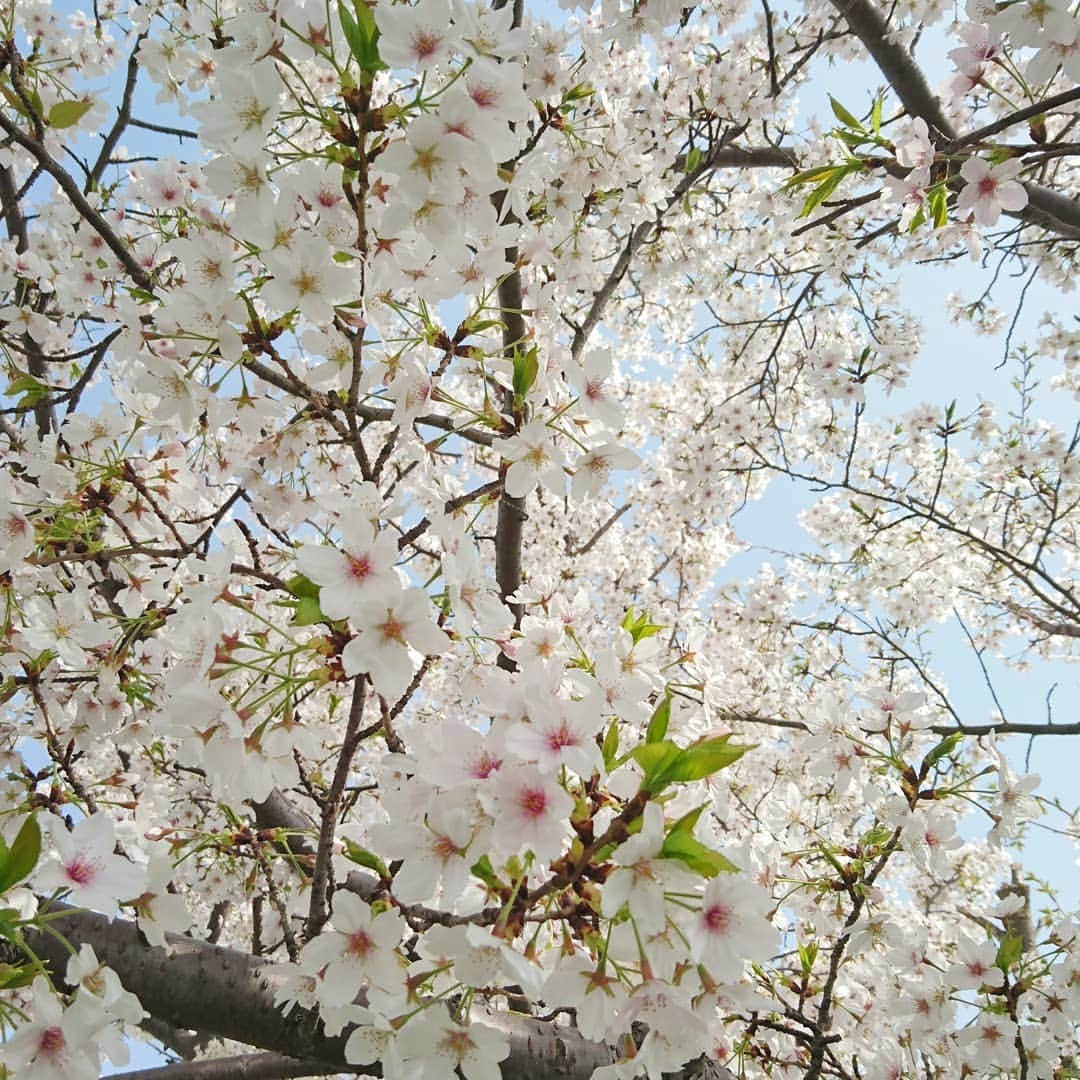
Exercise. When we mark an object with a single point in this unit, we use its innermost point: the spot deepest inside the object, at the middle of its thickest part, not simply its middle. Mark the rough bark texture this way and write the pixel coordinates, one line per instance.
(230, 994)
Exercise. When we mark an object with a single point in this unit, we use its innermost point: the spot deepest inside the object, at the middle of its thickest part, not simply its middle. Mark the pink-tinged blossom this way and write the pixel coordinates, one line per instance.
(359, 951)
(532, 812)
(159, 910)
(100, 987)
(305, 276)
(982, 46)
(16, 530)
(593, 469)
(594, 993)
(373, 1040)
(914, 150)
(416, 37)
(732, 925)
(435, 1047)
(975, 966)
(559, 734)
(83, 863)
(989, 1042)
(928, 836)
(534, 459)
(989, 190)
(1033, 23)
(55, 1044)
(1061, 48)
(638, 880)
(362, 571)
(592, 381)
(433, 853)
(386, 632)
(910, 192)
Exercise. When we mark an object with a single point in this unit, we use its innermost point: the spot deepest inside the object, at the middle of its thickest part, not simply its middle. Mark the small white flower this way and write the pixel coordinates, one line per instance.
(988, 190)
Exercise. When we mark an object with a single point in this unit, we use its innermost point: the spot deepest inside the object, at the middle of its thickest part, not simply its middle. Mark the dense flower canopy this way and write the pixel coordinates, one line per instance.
(385, 382)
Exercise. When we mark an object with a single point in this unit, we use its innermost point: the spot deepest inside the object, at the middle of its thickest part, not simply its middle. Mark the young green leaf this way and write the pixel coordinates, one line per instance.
(526, 366)
(846, 118)
(658, 722)
(610, 749)
(65, 114)
(684, 846)
(362, 857)
(21, 858)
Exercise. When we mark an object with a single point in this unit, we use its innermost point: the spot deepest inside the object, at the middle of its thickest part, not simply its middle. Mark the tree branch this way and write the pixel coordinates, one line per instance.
(91, 216)
(238, 1067)
(230, 994)
(1048, 209)
(317, 909)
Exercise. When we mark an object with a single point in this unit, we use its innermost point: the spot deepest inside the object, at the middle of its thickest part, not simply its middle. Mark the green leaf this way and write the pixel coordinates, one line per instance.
(362, 35)
(23, 854)
(845, 118)
(12, 976)
(875, 114)
(824, 190)
(693, 159)
(943, 749)
(939, 207)
(31, 390)
(655, 759)
(688, 822)
(685, 847)
(362, 857)
(526, 366)
(808, 176)
(918, 219)
(639, 625)
(16, 102)
(665, 763)
(610, 749)
(65, 114)
(807, 955)
(352, 30)
(705, 758)
(308, 612)
(1009, 951)
(483, 869)
(658, 722)
(302, 587)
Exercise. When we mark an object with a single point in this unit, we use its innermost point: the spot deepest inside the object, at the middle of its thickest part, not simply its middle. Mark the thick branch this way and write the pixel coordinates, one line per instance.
(1047, 209)
(238, 1067)
(230, 994)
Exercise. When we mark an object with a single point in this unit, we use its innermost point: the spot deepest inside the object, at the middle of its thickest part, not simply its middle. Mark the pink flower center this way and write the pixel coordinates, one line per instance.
(533, 801)
(80, 871)
(458, 1044)
(51, 1042)
(484, 96)
(393, 630)
(485, 766)
(987, 187)
(359, 566)
(425, 44)
(717, 918)
(359, 944)
(560, 738)
(444, 847)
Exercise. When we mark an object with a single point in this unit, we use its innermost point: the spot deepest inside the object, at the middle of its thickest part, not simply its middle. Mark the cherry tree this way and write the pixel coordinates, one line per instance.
(384, 383)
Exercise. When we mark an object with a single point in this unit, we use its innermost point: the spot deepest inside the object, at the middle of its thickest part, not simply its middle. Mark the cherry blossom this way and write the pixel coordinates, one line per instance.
(990, 189)
(385, 634)
(84, 866)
